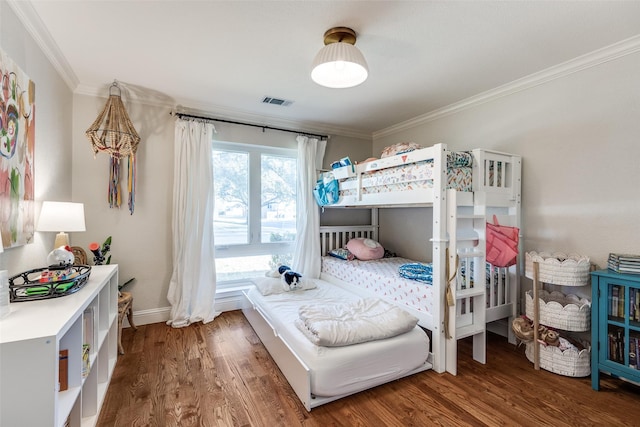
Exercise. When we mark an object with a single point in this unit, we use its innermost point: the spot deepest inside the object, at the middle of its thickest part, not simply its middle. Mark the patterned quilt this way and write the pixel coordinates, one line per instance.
(381, 277)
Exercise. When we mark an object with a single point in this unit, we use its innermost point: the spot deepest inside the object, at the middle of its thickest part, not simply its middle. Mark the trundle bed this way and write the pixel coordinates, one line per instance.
(321, 374)
(461, 202)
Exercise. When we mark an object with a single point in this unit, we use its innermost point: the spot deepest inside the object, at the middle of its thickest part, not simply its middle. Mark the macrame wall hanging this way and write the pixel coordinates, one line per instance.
(112, 132)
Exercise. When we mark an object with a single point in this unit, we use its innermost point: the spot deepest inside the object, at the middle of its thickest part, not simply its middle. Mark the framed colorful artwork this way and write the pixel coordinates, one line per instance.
(17, 150)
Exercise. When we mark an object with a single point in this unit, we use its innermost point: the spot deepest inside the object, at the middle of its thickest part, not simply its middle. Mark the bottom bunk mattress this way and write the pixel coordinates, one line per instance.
(382, 277)
(345, 369)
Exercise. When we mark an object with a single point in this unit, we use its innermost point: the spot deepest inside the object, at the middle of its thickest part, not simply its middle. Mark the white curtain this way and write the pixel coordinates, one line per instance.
(306, 258)
(192, 287)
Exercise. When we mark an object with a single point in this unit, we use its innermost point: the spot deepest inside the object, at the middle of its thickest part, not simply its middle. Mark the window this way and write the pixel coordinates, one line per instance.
(254, 219)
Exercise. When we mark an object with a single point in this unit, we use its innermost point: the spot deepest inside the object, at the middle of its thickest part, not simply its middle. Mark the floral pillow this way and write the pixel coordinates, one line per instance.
(399, 148)
(365, 249)
(342, 253)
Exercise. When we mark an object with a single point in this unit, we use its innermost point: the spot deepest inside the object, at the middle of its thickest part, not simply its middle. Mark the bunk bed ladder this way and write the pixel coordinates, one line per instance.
(503, 299)
(466, 266)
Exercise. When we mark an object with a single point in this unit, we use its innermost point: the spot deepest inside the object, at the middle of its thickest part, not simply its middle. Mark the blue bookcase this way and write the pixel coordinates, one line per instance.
(615, 326)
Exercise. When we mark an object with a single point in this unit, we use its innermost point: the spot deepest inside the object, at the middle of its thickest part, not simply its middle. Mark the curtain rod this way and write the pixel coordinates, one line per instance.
(263, 127)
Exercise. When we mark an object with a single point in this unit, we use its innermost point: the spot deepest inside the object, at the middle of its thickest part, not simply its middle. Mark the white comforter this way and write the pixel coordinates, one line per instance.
(360, 321)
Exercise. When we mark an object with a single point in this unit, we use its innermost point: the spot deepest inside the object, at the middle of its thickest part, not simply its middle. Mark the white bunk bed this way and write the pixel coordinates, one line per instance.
(421, 178)
(496, 190)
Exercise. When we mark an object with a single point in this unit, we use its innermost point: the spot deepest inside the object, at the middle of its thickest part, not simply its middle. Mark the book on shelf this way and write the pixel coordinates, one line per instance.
(88, 339)
(63, 370)
(624, 263)
(616, 300)
(634, 306)
(624, 257)
(86, 362)
(634, 352)
(616, 347)
(88, 327)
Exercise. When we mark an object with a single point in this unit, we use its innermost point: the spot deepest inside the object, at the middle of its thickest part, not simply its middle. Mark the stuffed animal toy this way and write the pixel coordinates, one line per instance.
(291, 280)
(523, 329)
(61, 256)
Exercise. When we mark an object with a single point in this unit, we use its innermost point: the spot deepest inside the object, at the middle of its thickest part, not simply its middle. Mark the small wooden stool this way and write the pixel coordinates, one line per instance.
(125, 308)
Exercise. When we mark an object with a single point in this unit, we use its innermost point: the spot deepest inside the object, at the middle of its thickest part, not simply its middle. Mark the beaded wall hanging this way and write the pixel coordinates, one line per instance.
(112, 132)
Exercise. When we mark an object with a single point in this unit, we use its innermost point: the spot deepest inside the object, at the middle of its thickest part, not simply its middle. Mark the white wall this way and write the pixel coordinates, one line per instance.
(142, 241)
(53, 100)
(579, 139)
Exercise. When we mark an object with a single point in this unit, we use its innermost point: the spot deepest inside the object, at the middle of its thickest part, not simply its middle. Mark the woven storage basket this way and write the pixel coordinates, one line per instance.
(558, 268)
(571, 362)
(560, 311)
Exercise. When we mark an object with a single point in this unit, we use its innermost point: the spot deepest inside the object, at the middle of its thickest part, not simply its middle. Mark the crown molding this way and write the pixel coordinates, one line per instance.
(34, 25)
(583, 62)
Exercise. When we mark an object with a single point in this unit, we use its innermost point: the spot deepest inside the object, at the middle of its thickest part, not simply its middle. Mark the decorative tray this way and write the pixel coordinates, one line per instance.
(48, 282)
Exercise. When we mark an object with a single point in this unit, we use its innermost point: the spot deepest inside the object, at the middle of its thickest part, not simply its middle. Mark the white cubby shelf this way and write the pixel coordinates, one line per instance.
(31, 337)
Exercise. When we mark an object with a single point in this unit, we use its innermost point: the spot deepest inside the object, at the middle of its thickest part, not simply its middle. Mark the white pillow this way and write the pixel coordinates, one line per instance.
(268, 285)
(271, 285)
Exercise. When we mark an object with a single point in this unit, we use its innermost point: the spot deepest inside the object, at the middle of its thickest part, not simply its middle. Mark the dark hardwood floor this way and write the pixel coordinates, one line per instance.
(219, 374)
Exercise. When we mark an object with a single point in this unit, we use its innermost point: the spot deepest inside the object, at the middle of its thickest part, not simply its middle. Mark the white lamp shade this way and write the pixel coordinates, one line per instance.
(339, 65)
(61, 216)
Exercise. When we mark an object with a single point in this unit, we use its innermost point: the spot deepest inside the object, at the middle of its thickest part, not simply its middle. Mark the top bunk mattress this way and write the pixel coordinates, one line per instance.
(381, 277)
(412, 176)
(341, 370)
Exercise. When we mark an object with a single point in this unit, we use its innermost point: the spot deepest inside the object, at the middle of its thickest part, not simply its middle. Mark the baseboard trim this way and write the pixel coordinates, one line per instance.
(228, 302)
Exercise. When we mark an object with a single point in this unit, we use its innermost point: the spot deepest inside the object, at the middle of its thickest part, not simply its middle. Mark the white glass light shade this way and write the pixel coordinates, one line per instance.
(339, 65)
(61, 217)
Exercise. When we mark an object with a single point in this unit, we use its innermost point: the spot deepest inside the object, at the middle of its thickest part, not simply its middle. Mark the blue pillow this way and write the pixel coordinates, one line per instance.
(422, 272)
(342, 254)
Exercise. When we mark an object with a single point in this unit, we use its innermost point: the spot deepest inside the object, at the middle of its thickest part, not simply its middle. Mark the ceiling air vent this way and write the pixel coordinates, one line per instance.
(276, 101)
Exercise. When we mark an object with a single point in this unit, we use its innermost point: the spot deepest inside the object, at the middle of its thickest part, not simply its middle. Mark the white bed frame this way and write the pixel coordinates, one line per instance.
(460, 214)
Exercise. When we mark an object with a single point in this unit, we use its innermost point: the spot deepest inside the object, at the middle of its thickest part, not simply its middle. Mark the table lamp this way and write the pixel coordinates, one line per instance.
(62, 217)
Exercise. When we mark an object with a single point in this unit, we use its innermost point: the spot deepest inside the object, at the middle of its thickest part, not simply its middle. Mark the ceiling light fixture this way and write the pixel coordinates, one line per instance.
(339, 64)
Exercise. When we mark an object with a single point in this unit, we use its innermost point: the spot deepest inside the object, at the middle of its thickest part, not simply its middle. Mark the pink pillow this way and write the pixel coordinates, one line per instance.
(365, 249)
